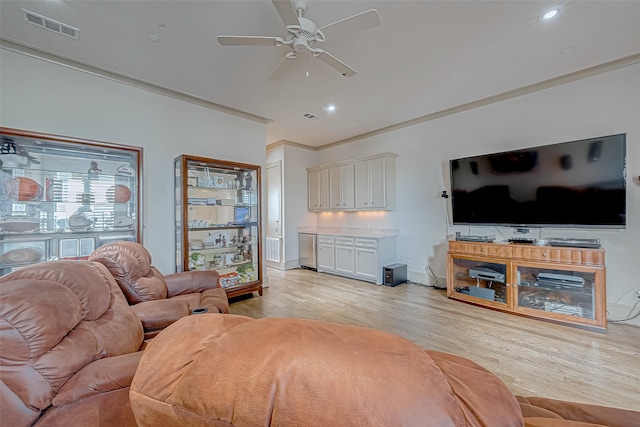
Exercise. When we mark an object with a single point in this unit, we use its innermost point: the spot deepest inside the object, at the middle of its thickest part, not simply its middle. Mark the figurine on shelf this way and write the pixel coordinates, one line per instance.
(247, 180)
(237, 181)
(94, 171)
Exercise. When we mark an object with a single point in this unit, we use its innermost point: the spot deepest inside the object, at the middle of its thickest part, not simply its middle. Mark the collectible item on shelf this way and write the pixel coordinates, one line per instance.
(23, 255)
(125, 170)
(94, 171)
(23, 189)
(247, 181)
(13, 155)
(123, 222)
(118, 194)
(80, 220)
(19, 224)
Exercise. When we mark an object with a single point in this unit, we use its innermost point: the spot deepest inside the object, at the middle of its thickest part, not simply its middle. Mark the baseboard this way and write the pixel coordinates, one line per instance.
(622, 311)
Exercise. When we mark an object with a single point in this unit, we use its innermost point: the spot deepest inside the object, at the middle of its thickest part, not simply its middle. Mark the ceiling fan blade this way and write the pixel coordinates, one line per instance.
(334, 62)
(249, 41)
(358, 22)
(282, 65)
(286, 11)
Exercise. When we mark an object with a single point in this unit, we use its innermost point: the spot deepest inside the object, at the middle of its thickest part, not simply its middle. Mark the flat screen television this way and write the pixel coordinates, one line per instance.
(571, 184)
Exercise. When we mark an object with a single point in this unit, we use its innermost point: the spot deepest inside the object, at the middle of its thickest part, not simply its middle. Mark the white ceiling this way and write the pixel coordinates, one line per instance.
(424, 57)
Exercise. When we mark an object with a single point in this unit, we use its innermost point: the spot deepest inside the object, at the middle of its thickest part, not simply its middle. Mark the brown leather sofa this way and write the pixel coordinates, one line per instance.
(68, 347)
(231, 370)
(159, 300)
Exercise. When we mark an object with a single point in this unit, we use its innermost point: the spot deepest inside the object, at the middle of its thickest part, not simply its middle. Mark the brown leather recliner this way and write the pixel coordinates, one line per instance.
(214, 370)
(160, 300)
(68, 347)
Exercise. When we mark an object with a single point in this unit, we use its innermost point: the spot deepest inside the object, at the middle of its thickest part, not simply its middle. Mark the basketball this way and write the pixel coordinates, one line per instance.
(118, 194)
(23, 189)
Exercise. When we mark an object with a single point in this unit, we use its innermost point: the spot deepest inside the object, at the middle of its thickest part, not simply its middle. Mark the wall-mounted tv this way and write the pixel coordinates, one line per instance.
(571, 184)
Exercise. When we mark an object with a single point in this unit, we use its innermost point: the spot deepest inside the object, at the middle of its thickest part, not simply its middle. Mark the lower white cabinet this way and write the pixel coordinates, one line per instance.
(326, 258)
(344, 255)
(356, 257)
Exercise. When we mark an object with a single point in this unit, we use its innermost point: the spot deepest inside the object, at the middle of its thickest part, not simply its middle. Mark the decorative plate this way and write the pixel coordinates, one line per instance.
(19, 224)
(21, 256)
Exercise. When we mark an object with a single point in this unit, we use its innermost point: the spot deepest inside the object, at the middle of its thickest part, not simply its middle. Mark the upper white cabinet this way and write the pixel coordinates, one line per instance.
(318, 190)
(361, 184)
(342, 187)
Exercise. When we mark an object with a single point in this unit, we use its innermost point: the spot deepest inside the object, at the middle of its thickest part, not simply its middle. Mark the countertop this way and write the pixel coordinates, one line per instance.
(354, 232)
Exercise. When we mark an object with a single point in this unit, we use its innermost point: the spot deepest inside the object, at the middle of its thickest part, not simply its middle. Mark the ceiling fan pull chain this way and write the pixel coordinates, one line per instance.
(307, 64)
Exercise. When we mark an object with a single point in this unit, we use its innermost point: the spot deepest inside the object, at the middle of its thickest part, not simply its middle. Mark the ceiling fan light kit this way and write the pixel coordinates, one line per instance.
(303, 35)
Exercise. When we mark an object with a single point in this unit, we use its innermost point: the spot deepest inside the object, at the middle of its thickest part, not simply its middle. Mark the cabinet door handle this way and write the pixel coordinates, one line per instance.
(544, 254)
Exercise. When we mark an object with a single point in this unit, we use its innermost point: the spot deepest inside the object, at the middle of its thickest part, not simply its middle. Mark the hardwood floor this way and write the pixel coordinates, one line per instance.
(532, 357)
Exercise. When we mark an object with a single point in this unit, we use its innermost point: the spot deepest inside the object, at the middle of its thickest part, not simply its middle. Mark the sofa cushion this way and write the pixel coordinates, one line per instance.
(130, 265)
(215, 369)
(103, 375)
(109, 409)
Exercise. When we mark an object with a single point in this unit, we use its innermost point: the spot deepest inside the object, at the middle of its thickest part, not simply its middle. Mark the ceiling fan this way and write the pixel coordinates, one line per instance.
(304, 36)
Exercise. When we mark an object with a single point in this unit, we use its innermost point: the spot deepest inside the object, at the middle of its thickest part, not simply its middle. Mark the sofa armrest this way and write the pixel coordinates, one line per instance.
(103, 375)
(159, 314)
(188, 282)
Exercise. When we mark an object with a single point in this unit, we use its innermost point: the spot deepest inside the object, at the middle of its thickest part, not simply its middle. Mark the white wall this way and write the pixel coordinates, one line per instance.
(601, 105)
(42, 96)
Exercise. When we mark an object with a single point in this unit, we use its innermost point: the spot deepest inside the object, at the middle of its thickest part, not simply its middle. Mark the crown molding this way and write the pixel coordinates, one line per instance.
(510, 94)
(282, 142)
(139, 84)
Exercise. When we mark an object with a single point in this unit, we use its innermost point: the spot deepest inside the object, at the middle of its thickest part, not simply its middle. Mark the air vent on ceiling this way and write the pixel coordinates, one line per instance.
(50, 24)
(310, 116)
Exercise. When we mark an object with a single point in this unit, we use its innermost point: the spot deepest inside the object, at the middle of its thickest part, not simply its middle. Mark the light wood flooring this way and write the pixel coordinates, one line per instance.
(534, 358)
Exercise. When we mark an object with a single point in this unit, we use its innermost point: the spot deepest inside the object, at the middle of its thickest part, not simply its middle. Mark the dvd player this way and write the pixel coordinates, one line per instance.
(522, 240)
(558, 280)
(484, 273)
(574, 243)
(470, 238)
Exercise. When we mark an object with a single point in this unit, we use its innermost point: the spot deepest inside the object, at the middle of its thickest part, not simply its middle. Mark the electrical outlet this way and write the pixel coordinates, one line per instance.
(366, 225)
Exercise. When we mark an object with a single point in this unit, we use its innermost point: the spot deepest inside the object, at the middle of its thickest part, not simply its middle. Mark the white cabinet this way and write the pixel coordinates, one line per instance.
(366, 259)
(341, 187)
(344, 255)
(318, 181)
(375, 183)
(355, 185)
(356, 257)
(326, 254)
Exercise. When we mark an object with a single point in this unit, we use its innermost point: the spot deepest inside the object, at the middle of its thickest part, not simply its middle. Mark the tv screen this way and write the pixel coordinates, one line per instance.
(571, 184)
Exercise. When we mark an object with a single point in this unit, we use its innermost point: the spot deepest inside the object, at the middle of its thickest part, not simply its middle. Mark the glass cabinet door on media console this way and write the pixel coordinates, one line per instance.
(557, 292)
(485, 279)
(218, 221)
(60, 197)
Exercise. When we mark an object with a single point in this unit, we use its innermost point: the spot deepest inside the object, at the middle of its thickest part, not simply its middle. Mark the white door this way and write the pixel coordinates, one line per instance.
(274, 233)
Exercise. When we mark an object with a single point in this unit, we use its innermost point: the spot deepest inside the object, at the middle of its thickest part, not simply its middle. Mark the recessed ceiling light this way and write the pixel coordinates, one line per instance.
(330, 108)
(154, 38)
(550, 14)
